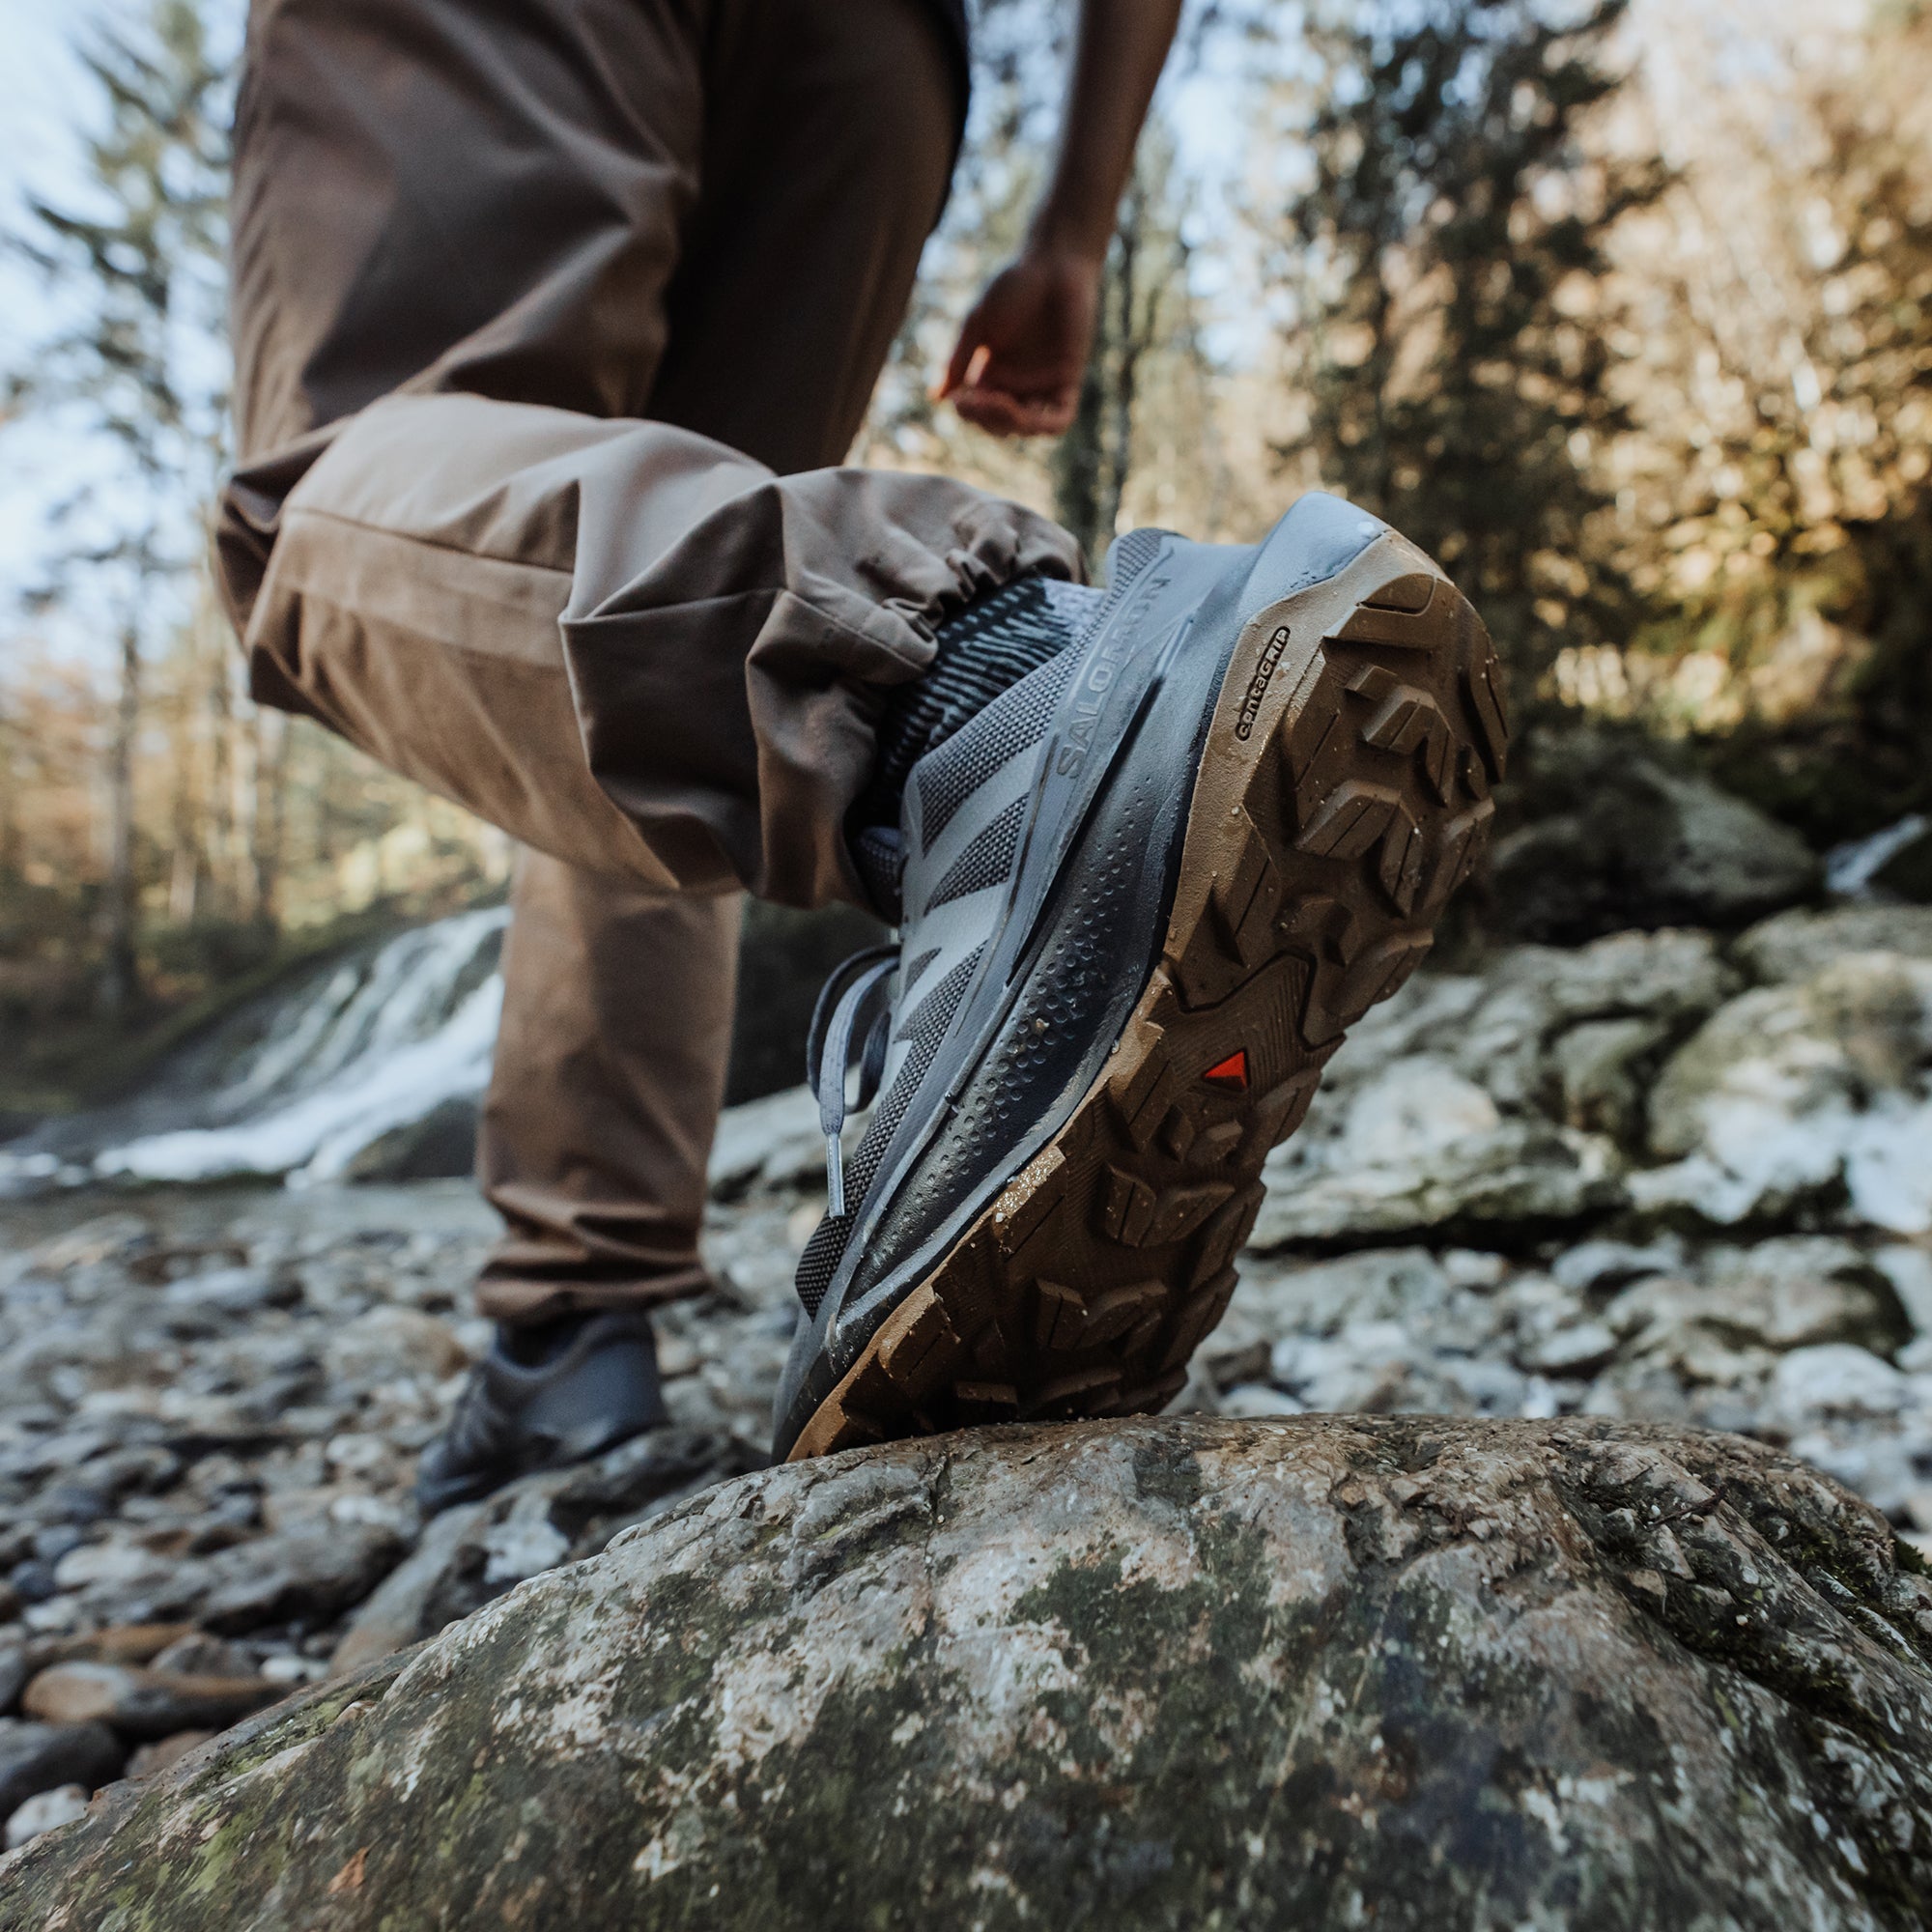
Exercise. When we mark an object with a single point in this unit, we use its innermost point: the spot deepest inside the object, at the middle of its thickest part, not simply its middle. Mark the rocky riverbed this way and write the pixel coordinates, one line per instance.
(1663, 1177)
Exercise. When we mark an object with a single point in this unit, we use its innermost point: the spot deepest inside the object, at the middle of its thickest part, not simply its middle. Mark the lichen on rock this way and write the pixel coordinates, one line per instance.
(1398, 1671)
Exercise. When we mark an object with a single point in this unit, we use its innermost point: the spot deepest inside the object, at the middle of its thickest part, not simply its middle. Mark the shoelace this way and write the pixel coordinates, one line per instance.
(851, 1025)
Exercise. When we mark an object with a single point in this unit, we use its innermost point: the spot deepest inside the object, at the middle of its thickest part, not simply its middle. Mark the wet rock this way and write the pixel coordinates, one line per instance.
(38, 1757)
(47, 1812)
(1837, 1378)
(233, 1291)
(1909, 1272)
(1601, 1068)
(143, 1704)
(197, 1654)
(1495, 1029)
(1608, 1264)
(1667, 1315)
(1317, 1672)
(1795, 944)
(440, 1145)
(31, 1581)
(112, 1569)
(1407, 1285)
(398, 1613)
(1796, 1091)
(1420, 1146)
(303, 1574)
(1624, 842)
(120, 1643)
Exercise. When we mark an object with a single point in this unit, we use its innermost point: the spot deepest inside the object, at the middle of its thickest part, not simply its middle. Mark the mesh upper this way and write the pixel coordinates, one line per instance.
(1008, 656)
(994, 642)
(925, 1029)
(948, 776)
(986, 862)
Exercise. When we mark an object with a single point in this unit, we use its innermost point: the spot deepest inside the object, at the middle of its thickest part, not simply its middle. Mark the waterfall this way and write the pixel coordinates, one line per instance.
(377, 1042)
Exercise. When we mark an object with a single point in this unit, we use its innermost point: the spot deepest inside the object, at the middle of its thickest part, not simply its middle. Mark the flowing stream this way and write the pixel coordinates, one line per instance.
(305, 1082)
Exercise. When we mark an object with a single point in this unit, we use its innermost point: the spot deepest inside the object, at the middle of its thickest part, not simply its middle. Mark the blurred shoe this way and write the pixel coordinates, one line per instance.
(543, 1399)
(1142, 892)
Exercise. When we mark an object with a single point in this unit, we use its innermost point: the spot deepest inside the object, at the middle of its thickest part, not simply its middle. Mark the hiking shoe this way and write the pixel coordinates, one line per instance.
(544, 1402)
(1143, 890)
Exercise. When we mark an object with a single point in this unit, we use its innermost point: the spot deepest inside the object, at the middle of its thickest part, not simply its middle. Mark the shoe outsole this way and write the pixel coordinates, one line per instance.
(1344, 794)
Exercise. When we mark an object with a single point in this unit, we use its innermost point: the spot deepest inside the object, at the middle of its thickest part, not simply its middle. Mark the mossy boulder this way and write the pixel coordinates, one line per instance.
(1317, 1673)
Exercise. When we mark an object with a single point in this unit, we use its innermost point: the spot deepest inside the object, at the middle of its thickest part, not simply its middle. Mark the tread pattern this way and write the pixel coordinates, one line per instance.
(1088, 1285)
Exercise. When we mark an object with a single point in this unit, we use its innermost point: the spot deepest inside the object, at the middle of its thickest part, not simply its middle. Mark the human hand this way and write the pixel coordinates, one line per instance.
(1023, 350)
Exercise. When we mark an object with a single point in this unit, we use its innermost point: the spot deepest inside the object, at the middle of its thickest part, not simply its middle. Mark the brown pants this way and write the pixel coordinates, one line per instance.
(530, 303)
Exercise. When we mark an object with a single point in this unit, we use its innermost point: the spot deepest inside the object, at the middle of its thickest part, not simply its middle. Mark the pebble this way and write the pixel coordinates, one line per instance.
(45, 1812)
(143, 1704)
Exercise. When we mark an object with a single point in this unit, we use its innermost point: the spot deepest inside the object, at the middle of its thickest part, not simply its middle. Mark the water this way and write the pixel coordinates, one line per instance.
(377, 1042)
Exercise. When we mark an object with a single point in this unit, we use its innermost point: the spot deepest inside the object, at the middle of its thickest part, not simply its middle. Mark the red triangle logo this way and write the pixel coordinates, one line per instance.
(1232, 1072)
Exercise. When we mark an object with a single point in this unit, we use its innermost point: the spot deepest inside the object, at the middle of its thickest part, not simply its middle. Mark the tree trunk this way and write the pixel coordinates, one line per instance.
(1129, 341)
(1080, 458)
(119, 973)
(265, 831)
(1091, 464)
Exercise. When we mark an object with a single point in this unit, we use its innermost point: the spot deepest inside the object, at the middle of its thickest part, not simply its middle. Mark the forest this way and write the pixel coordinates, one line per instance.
(1623, 310)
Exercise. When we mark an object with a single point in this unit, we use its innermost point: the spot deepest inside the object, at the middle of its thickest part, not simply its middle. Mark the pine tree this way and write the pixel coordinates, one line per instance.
(1451, 350)
(137, 265)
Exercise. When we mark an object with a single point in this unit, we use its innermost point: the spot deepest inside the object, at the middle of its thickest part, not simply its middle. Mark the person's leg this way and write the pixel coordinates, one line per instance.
(622, 644)
(627, 644)
(439, 200)
(829, 133)
(608, 1072)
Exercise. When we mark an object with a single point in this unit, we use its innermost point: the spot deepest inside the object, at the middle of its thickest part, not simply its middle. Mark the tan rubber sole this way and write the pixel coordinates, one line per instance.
(1343, 796)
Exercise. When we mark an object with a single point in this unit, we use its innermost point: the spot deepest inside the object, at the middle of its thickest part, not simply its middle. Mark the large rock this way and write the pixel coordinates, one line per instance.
(1421, 1147)
(1330, 1672)
(1811, 1091)
(1619, 840)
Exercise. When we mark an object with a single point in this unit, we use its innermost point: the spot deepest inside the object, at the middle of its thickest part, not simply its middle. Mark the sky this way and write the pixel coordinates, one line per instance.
(38, 83)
